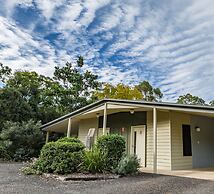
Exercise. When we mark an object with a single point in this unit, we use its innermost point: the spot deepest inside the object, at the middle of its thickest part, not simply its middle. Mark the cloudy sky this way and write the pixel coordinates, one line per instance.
(168, 42)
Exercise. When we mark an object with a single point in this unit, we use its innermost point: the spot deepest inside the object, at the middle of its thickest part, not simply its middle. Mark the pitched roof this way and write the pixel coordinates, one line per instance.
(209, 109)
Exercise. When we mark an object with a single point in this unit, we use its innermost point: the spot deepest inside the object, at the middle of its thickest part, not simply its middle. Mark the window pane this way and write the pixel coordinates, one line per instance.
(187, 144)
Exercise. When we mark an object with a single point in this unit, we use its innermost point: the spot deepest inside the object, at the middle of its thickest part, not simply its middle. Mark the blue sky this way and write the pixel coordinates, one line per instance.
(170, 43)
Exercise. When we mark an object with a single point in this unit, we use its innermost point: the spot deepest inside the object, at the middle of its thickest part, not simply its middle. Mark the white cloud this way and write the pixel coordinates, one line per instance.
(171, 43)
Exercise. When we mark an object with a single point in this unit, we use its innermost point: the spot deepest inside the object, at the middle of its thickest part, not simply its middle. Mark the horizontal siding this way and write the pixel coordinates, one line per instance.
(163, 141)
(179, 161)
(84, 126)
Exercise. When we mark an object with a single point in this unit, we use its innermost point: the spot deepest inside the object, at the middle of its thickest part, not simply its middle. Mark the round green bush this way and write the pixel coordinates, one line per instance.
(114, 146)
(60, 157)
(69, 139)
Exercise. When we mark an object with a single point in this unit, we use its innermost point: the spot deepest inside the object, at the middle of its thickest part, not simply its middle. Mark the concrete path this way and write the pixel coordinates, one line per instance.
(203, 173)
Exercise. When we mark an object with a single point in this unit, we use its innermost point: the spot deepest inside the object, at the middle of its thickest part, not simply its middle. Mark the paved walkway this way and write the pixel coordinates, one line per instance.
(202, 173)
(12, 182)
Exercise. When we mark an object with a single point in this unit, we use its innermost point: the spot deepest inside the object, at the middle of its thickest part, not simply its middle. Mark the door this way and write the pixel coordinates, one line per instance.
(138, 143)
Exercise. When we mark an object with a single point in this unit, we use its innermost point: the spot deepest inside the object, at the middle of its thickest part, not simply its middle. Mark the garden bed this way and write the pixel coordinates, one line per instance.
(81, 176)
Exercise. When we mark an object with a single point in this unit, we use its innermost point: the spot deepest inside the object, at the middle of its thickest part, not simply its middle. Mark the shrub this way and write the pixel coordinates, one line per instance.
(3, 153)
(69, 139)
(22, 140)
(29, 170)
(114, 147)
(128, 165)
(94, 161)
(60, 157)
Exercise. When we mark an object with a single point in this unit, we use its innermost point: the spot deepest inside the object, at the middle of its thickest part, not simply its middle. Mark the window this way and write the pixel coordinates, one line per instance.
(135, 141)
(187, 144)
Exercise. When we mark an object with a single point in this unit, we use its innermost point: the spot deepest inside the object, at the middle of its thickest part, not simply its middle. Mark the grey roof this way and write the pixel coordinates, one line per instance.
(132, 102)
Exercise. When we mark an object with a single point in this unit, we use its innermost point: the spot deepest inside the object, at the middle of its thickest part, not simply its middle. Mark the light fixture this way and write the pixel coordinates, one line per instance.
(198, 129)
(132, 111)
(97, 114)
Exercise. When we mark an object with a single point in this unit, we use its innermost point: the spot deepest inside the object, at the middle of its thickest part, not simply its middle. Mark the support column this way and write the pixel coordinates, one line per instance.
(47, 137)
(69, 128)
(104, 119)
(154, 140)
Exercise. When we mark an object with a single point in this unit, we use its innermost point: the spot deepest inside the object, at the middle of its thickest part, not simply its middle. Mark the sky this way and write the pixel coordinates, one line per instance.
(169, 43)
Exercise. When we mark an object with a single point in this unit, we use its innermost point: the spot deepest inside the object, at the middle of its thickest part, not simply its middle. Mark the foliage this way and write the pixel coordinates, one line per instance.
(114, 147)
(13, 107)
(76, 85)
(60, 157)
(149, 93)
(120, 91)
(69, 140)
(212, 103)
(3, 153)
(190, 99)
(44, 98)
(22, 140)
(142, 91)
(128, 165)
(5, 72)
(94, 161)
(29, 170)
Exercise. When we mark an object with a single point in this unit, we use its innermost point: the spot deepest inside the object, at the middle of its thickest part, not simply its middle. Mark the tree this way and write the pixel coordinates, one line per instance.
(212, 103)
(120, 91)
(48, 98)
(190, 99)
(77, 85)
(13, 107)
(149, 93)
(39, 92)
(5, 72)
(22, 140)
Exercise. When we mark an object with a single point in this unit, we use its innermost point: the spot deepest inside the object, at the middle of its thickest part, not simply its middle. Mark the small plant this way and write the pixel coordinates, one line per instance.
(94, 161)
(114, 147)
(29, 170)
(128, 165)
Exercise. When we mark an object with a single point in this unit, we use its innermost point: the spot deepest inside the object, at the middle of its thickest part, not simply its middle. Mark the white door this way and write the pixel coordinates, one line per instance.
(138, 143)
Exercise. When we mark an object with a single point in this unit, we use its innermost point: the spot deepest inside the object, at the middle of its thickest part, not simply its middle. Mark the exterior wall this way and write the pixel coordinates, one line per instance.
(202, 142)
(124, 120)
(163, 141)
(84, 126)
(179, 162)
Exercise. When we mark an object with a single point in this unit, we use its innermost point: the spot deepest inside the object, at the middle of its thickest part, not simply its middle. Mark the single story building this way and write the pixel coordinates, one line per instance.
(164, 136)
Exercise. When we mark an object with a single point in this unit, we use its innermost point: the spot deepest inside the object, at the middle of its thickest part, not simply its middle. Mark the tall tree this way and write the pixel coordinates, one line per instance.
(190, 99)
(77, 85)
(13, 107)
(48, 98)
(212, 103)
(149, 93)
(5, 71)
(120, 91)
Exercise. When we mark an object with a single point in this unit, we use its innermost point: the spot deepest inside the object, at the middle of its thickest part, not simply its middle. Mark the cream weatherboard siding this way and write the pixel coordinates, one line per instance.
(84, 126)
(178, 160)
(163, 141)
